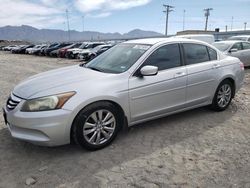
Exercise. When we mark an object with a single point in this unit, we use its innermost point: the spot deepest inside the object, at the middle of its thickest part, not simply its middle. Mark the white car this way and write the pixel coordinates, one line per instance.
(239, 49)
(132, 82)
(240, 37)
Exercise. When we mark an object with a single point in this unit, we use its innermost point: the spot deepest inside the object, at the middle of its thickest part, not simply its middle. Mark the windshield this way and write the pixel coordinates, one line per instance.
(222, 46)
(82, 46)
(119, 58)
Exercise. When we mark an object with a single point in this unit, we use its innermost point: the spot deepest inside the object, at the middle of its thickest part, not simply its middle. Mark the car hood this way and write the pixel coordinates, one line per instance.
(55, 78)
(74, 49)
(85, 51)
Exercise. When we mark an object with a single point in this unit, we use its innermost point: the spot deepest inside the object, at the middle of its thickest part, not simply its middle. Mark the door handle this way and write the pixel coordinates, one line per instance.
(216, 66)
(179, 74)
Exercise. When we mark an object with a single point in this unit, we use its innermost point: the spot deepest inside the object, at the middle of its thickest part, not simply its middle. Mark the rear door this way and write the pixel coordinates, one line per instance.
(202, 68)
(246, 53)
(152, 96)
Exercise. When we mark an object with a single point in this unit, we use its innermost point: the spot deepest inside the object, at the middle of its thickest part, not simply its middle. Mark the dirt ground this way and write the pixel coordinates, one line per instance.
(198, 148)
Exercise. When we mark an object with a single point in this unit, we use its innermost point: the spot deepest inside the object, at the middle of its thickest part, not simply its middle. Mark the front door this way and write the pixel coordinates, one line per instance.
(152, 96)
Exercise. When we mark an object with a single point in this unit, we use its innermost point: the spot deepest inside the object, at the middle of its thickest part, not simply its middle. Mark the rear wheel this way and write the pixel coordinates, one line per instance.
(223, 96)
(96, 126)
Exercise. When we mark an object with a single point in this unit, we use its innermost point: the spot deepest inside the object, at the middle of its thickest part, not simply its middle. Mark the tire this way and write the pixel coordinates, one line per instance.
(96, 126)
(223, 96)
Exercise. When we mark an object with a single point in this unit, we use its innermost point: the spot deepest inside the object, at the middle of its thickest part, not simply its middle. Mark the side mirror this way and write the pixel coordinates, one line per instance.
(149, 70)
(233, 50)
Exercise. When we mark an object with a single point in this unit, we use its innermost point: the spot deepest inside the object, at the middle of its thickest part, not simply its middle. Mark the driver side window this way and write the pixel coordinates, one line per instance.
(237, 46)
(165, 57)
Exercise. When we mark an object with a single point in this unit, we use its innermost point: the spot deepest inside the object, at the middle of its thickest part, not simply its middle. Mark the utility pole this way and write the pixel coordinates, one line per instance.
(207, 14)
(167, 10)
(232, 23)
(67, 16)
(245, 26)
(184, 17)
(226, 28)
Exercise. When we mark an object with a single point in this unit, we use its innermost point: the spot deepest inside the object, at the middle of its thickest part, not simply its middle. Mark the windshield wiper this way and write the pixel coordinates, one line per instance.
(96, 69)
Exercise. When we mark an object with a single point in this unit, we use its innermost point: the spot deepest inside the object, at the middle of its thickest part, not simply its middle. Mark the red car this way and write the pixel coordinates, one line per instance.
(63, 50)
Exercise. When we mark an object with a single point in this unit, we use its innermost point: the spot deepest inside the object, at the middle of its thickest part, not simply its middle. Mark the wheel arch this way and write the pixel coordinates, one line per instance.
(116, 104)
(232, 81)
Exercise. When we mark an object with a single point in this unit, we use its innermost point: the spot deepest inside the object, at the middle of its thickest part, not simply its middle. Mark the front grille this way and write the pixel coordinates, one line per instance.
(12, 102)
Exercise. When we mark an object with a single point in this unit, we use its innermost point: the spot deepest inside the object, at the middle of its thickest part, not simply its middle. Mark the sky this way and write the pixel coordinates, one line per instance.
(124, 15)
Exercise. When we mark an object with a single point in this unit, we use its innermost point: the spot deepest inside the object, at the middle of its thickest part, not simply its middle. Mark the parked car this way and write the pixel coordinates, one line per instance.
(240, 37)
(63, 51)
(1, 47)
(39, 50)
(47, 51)
(54, 53)
(235, 48)
(42, 51)
(34, 49)
(69, 53)
(133, 82)
(21, 49)
(90, 54)
(73, 54)
(9, 48)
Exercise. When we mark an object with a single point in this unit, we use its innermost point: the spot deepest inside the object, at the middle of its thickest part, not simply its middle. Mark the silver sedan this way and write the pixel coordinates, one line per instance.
(239, 49)
(133, 82)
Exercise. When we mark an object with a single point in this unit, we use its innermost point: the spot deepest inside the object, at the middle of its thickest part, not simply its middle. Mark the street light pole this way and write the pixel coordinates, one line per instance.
(184, 16)
(67, 16)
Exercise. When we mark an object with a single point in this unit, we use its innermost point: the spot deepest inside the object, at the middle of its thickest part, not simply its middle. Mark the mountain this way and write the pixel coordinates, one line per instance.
(33, 34)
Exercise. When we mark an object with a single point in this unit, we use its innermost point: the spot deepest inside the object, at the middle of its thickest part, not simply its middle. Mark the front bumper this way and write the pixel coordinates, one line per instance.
(47, 128)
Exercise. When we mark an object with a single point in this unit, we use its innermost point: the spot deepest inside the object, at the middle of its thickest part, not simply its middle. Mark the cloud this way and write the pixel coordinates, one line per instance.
(108, 5)
(18, 12)
(49, 13)
(101, 15)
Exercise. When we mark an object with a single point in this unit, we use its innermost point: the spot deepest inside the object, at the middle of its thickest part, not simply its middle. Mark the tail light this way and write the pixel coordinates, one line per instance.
(242, 66)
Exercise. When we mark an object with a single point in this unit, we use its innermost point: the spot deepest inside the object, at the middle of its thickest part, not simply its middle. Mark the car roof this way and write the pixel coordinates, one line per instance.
(240, 36)
(153, 41)
(229, 41)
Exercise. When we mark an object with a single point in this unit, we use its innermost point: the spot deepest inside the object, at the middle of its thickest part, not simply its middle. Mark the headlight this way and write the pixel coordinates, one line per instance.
(46, 103)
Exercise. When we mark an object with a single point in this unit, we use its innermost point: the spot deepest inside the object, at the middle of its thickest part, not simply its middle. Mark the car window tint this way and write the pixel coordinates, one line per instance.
(165, 57)
(246, 45)
(237, 46)
(195, 53)
(212, 54)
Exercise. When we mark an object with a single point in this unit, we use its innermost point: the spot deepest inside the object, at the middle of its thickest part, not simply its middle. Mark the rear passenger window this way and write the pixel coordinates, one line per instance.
(212, 54)
(165, 57)
(195, 53)
(246, 45)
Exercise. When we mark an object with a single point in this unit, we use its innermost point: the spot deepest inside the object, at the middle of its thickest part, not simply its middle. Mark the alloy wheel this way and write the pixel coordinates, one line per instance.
(99, 127)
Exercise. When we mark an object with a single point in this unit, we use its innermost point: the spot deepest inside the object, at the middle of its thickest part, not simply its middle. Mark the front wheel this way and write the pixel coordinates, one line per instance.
(96, 126)
(223, 96)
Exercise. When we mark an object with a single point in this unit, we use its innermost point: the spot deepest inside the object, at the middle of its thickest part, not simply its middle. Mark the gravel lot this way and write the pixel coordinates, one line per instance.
(198, 148)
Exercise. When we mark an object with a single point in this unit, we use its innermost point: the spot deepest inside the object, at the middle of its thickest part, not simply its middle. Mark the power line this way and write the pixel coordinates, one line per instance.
(167, 10)
(207, 14)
